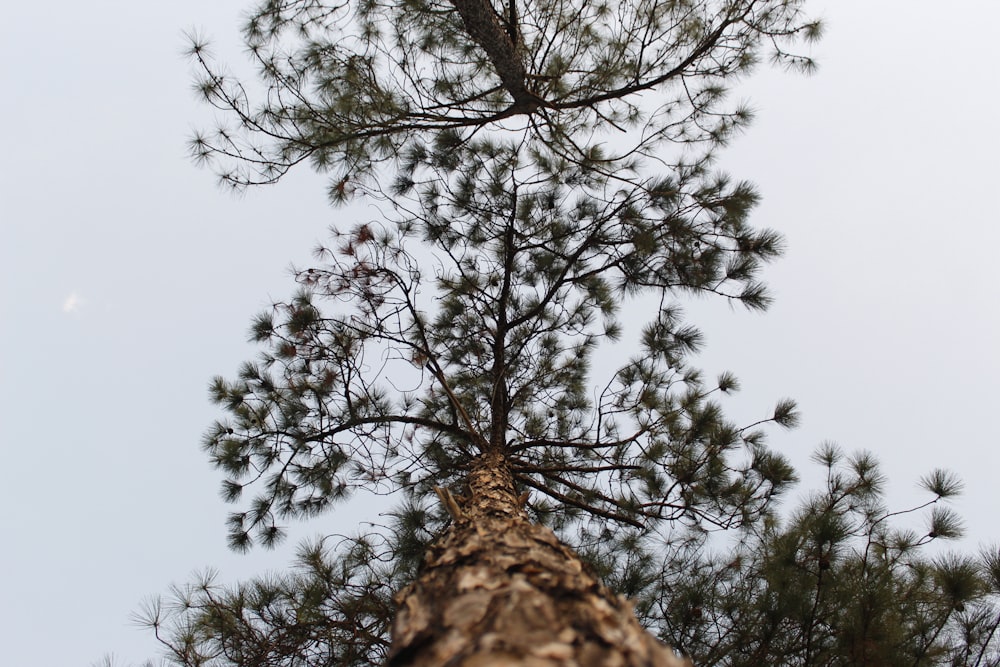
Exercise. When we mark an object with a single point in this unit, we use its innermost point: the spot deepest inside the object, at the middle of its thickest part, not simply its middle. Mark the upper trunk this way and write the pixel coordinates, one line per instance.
(499, 590)
(498, 37)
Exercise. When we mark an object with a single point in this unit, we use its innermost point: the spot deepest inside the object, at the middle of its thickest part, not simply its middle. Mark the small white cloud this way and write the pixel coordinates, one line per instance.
(73, 303)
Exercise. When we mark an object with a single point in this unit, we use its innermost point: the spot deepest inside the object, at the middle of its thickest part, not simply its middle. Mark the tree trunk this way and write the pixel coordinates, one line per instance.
(498, 590)
(499, 39)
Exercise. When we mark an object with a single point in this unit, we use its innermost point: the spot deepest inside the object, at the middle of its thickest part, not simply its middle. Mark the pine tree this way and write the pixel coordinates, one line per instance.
(842, 581)
(538, 166)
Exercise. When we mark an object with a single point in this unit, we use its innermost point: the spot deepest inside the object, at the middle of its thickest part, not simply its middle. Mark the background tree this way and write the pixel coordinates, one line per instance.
(519, 157)
(843, 581)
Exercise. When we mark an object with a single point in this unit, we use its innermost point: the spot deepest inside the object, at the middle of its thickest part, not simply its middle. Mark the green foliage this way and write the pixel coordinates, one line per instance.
(349, 86)
(514, 232)
(836, 583)
(333, 608)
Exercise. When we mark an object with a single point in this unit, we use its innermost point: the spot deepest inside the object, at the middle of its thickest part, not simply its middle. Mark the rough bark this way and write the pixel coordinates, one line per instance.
(498, 590)
(498, 37)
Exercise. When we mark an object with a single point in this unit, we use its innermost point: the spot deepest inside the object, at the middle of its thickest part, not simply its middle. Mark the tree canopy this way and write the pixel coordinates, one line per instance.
(537, 169)
(346, 86)
(467, 317)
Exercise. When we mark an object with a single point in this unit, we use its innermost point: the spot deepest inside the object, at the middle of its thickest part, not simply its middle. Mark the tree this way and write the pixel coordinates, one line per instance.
(840, 582)
(537, 166)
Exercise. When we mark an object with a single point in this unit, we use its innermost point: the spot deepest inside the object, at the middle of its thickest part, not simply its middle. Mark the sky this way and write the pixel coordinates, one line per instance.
(128, 279)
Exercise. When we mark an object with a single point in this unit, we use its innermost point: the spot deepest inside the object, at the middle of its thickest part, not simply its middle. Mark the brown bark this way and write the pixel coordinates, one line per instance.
(498, 37)
(498, 590)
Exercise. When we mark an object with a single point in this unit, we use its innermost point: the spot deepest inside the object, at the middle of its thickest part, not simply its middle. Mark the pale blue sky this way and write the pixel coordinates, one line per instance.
(127, 279)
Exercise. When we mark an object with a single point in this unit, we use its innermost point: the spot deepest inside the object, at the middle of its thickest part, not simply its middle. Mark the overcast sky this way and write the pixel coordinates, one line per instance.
(129, 279)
